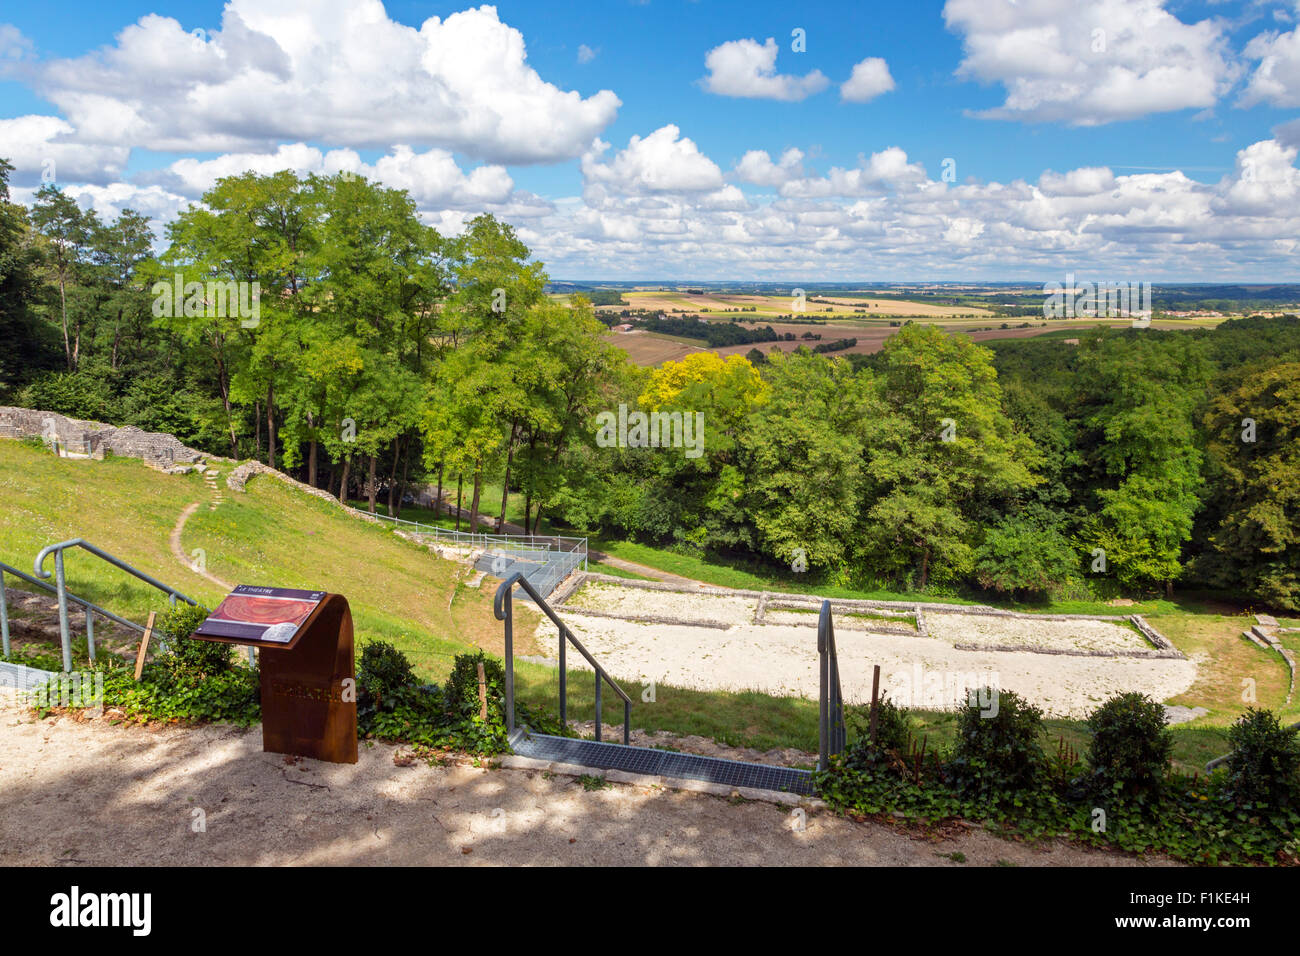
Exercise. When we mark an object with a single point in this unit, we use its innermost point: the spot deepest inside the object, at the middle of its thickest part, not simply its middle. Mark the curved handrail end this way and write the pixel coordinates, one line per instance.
(50, 549)
(498, 600)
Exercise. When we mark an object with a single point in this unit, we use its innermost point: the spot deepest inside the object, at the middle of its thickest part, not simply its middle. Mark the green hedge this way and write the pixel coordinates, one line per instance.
(1124, 796)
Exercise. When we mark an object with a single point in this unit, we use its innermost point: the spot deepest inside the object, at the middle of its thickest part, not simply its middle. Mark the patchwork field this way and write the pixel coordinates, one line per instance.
(867, 320)
(773, 305)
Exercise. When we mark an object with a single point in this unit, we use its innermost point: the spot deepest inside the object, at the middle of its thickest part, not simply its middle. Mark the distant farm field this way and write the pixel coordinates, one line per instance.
(653, 348)
(773, 305)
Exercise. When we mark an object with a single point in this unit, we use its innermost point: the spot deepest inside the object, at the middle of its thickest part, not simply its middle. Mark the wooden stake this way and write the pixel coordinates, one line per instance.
(482, 692)
(144, 646)
(875, 699)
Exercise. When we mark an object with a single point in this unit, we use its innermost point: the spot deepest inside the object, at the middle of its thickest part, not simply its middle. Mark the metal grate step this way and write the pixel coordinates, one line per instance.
(607, 756)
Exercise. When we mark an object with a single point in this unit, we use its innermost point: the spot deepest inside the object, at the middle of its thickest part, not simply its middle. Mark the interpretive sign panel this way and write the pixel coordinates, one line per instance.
(252, 615)
(307, 663)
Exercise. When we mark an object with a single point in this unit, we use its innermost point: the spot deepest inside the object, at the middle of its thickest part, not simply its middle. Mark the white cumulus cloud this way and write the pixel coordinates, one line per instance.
(868, 80)
(662, 162)
(1089, 62)
(45, 148)
(1276, 78)
(310, 70)
(744, 68)
(757, 167)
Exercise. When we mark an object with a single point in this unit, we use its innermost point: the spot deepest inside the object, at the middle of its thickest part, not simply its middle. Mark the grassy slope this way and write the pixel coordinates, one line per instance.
(272, 534)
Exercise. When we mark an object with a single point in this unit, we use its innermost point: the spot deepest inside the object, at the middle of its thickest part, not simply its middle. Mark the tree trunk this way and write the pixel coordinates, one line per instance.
(473, 504)
(537, 521)
(257, 429)
(117, 337)
(370, 485)
(224, 384)
(925, 567)
(406, 471)
(311, 451)
(392, 480)
(270, 425)
(528, 509)
(459, 480)
(505, 484)
(63, 302)
(343, 485)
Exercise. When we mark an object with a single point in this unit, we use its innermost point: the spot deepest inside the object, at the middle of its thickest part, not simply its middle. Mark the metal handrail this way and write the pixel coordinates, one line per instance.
(547, 541)
(503, 608)
(62, 589)
(88, 606)
(831, 733)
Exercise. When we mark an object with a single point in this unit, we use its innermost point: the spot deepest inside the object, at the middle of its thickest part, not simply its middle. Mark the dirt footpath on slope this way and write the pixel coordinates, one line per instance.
(87, 792)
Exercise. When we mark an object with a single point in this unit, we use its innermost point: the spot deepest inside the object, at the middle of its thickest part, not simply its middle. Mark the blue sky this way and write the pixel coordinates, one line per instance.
(1157, 139)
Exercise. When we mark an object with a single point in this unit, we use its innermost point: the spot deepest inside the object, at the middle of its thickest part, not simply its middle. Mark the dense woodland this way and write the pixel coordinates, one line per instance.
(387, 356)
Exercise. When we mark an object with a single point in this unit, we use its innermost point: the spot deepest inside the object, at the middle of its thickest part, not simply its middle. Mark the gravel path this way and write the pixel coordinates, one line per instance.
(96, 794)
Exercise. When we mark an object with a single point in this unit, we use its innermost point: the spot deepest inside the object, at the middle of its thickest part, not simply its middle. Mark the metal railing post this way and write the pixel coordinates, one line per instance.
(510, 665)
(64, 637)
(4, 615)
(564, 685)
(823, 749)
(503, 609)
(90, 634)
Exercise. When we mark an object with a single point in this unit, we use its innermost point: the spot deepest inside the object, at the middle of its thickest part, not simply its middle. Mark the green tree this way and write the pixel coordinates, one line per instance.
(118, 251)
(67, 231)
(803, 451)
(945, 455)
(1254, 450)
(1139, 400)
(29, 349)
(1024, 554)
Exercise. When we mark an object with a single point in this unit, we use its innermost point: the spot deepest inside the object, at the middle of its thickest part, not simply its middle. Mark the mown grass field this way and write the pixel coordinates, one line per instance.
(273, 534)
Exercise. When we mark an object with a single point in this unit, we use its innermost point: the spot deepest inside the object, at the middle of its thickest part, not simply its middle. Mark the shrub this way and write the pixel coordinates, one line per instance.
(195, 657)
(893, 734)
(1264, 768)
(462, 703)
(997, 753)
(384, 677)
(167, 693)
(1022, 555)
(461, 694)
(1131, 745)
(85, 394)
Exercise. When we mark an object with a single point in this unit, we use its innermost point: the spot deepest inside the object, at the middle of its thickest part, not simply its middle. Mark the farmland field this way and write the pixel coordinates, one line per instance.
(770, 306)
(653, 348)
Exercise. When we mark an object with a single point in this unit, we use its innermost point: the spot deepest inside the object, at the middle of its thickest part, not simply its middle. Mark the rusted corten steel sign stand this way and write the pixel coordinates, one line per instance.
(307, 663)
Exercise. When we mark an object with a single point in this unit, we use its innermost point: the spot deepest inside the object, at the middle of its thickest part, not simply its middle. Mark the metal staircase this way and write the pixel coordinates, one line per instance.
(544, 560)
(600, 755)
